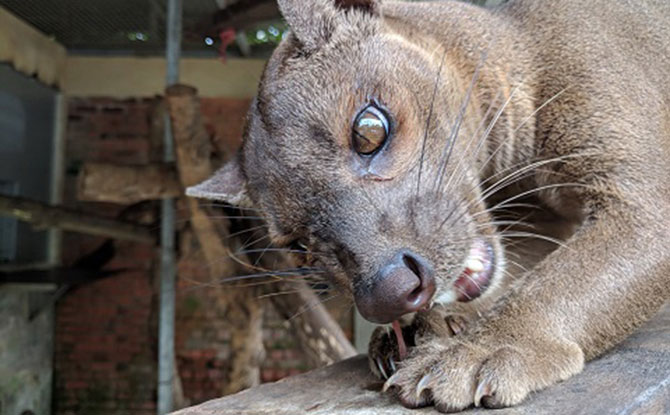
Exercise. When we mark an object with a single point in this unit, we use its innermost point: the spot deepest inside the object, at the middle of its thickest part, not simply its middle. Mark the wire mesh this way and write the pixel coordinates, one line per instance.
(136, 26)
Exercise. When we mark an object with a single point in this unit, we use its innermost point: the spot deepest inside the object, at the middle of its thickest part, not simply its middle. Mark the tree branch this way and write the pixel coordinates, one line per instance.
(42, 216)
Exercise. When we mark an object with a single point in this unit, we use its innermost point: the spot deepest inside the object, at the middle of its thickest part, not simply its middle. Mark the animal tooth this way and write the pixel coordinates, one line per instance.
(380, 366)
(474, 265)
(447, 298)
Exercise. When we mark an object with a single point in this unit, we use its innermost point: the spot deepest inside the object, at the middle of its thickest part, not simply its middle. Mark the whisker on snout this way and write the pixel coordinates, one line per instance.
(506, 235)
(308, 307)
(282, 250)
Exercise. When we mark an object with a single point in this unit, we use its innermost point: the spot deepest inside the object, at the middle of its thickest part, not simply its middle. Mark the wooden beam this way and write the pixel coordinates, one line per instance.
(43, 216)
(103, 182)
(56, 276)
(244, 14)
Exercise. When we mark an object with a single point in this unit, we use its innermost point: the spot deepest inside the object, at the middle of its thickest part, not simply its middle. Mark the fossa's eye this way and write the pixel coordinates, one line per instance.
(370, 130)
(299, 246)
(300, 252)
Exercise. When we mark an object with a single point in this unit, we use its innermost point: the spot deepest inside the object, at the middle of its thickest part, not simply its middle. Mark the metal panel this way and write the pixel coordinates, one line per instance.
(12, 123)
(26, 151)
(8, 226)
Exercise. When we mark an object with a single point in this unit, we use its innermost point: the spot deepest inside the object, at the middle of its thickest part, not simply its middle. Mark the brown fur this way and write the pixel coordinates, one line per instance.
(580, 88)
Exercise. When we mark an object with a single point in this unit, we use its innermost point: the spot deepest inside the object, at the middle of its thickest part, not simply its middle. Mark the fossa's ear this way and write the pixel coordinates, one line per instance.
(228, 185)
(314, 21)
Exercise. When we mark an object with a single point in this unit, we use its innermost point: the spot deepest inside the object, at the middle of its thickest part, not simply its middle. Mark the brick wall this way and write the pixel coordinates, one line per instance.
(105, 336)
(105, 348)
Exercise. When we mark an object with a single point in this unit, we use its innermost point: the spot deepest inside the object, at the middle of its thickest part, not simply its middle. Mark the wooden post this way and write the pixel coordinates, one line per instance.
(242, 305)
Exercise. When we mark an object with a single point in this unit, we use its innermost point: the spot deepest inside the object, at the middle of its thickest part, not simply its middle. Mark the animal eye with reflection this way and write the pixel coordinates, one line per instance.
(300, 252)
(298, 246)
(370, 130)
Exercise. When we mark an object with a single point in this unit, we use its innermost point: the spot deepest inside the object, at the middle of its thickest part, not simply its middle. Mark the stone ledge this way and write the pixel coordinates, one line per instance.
(632, 379)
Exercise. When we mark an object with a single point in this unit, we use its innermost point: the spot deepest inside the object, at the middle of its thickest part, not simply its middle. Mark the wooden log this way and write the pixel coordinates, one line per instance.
(634, 378)
(104, 182)
(319, 336)
(42, 216)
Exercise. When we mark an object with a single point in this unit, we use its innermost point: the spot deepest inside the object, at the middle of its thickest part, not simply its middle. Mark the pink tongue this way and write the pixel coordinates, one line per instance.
(402, 348)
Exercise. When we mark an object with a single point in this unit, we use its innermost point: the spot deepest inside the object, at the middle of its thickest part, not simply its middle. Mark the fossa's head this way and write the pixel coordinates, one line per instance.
(362, 150)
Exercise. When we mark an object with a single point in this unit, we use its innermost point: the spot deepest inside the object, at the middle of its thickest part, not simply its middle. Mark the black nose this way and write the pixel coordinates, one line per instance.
(404, 285)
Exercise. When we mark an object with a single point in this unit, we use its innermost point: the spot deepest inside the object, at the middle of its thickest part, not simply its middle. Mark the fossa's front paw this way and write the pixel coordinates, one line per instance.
(454, 374)
(384, 352)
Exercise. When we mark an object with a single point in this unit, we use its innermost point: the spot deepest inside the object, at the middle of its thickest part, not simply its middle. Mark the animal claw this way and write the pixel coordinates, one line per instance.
(380, 367)
(455, 327)
(422, 385)
(392, 365)
(390, 382)
(484, 389)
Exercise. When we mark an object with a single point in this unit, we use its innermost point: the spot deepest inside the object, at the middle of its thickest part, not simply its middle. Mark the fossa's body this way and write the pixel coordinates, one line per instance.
(415, 151)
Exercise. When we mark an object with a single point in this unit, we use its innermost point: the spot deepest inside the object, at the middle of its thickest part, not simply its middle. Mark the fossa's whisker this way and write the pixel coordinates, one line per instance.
(508, 234)
(428, 121)
(483, 138)
(457, 124)
(311, 306)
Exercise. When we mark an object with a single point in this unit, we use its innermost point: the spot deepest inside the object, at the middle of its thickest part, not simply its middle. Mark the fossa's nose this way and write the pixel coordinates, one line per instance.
(404, 285)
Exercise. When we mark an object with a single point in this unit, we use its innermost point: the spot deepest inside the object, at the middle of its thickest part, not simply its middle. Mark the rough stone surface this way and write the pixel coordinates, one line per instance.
(25, 352)
(634, 378)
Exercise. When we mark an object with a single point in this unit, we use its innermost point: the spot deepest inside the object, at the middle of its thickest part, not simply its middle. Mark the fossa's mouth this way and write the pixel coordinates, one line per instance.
(476, 277)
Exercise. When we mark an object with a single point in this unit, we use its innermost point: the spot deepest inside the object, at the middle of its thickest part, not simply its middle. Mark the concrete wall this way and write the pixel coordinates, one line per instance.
(131, 77)
(25, 353)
